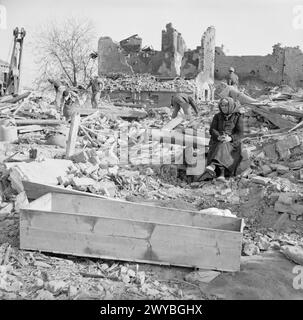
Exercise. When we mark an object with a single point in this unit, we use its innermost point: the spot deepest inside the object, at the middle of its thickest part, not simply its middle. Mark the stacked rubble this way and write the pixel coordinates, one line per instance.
(267, 193)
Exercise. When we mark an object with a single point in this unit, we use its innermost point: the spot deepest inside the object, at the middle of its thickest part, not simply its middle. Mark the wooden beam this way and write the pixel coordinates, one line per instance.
(22, 104)
(35, 190)
(73, 133)
(39, 122)
(17, 98)
(173, 123)
(275, 119)
(32, 128)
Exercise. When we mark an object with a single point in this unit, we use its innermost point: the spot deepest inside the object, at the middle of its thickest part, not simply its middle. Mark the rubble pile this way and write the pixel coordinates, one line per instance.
(267, 192)
(145, 82)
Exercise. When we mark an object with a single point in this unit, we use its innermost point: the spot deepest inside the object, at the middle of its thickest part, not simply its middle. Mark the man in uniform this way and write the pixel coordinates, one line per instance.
(184, 102)
(232, 78)
(59, 86)
(97, 85)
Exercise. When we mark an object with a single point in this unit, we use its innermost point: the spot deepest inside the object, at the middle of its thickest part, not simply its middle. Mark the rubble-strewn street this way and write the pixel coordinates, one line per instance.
(267, 194)
(132, 173)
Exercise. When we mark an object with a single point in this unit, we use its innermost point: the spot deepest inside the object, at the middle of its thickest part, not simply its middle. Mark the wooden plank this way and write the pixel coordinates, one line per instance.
(112, 110)
(35, 190)
(22, 104)
(39, 122)
(135, 211)
(72, 136)
(281, 110)
(32, 128)
(130, 240)
(173, 123)
(275, 119)
(17, 98)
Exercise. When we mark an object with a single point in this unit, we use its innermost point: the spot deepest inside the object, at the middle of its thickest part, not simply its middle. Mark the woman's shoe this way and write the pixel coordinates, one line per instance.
(221, 178)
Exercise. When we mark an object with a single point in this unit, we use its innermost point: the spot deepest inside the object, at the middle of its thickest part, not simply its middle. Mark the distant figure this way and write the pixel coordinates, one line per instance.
(97, 86)
(224, 91)
(232, 78)
(59, 86)
(184, 102)
(1, 88)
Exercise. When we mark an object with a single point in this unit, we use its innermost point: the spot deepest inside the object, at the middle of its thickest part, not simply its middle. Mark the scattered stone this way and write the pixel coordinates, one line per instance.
(260, 180)
(201, 276)
(42, 264)
(56, 286)
(263, 243)
(266, 169)
(44, 295)
(72, 291)
(250, 249)
(275, 245)
(39, 283)
(294, 253)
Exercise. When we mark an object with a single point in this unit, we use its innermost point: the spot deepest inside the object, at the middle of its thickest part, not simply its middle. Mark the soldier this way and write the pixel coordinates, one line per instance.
(1, 88)
(97, 85)
(184, 102)
(232, 78)
(59, 86)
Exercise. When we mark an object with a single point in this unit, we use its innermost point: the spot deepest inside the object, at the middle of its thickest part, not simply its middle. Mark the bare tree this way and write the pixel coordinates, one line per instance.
(65, 50)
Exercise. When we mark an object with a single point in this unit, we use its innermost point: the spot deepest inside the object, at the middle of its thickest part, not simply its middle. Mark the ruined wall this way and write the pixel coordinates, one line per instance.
(205, 78)
(190, 63)
(111, 58)
(126, 57)
(293, 70)
(268, 69)
(173, 46)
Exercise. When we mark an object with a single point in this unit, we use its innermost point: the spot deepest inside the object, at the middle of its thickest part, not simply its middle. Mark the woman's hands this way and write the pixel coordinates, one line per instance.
(224, 138)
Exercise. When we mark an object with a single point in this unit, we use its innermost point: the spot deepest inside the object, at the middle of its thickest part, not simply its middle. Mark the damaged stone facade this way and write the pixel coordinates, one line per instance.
(129, 57)
(283, 66)
(172, 61)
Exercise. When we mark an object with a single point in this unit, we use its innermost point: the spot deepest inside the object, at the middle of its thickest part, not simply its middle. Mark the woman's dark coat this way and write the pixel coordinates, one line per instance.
(226, 154)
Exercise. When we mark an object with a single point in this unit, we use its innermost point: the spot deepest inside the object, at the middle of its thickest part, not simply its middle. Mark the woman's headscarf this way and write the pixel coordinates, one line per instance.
(233, 106)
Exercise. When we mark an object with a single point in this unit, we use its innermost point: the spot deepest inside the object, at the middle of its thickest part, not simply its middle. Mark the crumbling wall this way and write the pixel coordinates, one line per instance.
(293, 69)
(132, 44)
(283, 66)
(173, 46)
(205, 77)
(190, 63)
(111, 58)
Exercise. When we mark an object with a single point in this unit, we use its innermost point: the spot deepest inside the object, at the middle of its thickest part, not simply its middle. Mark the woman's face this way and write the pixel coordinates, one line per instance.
(224, 106)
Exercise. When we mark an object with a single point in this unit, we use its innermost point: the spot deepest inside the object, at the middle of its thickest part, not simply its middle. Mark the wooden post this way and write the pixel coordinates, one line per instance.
(73, 133)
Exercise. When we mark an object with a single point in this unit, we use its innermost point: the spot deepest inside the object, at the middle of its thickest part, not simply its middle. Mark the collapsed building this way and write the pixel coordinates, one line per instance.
(283, 66)
(174, 60)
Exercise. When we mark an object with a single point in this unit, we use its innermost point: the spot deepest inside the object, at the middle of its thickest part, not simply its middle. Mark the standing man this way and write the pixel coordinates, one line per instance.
(1, 88)
(232, 78)
(184, 102)
(97, 86)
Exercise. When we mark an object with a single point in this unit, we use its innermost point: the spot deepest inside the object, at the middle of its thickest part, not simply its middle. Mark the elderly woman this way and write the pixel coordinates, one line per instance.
(225, 144)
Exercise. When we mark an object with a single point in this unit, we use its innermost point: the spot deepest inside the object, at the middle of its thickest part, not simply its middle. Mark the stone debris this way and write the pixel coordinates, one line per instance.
(201, 276)
(267, 192)
(294, 253)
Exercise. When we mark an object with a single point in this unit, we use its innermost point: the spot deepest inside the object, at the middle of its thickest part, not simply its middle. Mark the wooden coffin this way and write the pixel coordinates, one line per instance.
(121, 230)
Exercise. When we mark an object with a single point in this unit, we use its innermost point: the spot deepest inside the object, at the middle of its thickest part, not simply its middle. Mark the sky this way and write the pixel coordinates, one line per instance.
(244, 27)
